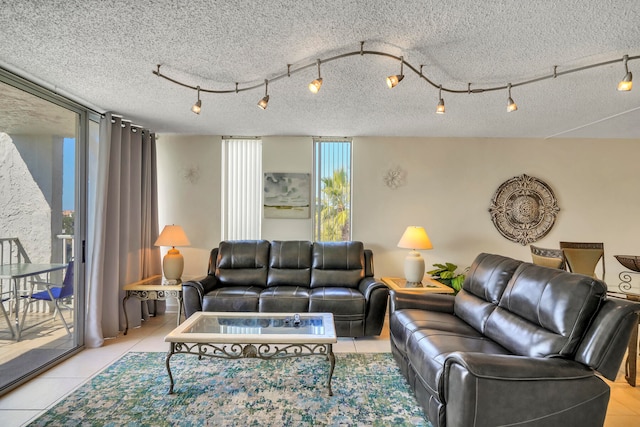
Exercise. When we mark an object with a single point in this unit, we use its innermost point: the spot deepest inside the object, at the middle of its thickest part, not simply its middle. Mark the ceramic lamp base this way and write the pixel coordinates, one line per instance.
(414, 268)
(173, 264)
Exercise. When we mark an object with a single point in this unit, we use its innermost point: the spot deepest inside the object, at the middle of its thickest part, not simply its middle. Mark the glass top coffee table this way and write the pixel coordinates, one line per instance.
(259, 335)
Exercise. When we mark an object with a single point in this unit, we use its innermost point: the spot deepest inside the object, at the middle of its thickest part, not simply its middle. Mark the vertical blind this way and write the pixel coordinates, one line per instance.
(241, 189)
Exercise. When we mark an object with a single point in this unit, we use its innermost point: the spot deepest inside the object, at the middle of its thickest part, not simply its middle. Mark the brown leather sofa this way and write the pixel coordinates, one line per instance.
(293, 277)
(520, 344)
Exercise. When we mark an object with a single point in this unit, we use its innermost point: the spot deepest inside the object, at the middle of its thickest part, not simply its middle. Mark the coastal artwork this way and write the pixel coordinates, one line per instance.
(287, 195)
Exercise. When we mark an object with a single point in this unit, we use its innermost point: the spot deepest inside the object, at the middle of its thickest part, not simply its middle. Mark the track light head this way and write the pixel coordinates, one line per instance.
(440, 108)
(198, 105)
(315, 85)
(265, 100)
(392, 81)
(511, 105)
(626, 83)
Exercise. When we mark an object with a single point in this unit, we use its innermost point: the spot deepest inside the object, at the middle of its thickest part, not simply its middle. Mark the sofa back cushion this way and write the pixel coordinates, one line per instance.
(243, 262)
(289, 263)
(482, 289)
(545, 312)
(339, 264)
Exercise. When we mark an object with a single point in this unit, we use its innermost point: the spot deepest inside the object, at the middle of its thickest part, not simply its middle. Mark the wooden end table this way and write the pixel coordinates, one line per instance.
(429, 285)
(152, 288)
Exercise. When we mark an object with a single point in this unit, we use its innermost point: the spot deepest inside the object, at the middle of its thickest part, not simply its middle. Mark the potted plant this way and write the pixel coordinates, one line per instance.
(446, 274)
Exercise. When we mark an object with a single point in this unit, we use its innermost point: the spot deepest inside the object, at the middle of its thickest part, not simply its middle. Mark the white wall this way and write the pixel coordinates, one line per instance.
(449, 186)
(293, 155)
(189, 194)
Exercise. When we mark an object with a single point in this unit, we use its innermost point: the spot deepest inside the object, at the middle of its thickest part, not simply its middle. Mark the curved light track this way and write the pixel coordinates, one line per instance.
(417, 71)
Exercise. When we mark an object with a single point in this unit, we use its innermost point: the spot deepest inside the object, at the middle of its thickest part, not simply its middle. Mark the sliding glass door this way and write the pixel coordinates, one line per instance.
(42, 176)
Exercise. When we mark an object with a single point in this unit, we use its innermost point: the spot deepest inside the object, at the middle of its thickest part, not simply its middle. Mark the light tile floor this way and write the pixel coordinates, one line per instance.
(27, 402)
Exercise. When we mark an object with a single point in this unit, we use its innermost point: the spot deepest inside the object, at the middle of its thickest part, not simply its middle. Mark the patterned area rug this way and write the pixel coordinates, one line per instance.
(368, 389)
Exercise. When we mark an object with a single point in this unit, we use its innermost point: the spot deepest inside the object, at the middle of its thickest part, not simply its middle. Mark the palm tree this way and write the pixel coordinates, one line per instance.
(335, 202)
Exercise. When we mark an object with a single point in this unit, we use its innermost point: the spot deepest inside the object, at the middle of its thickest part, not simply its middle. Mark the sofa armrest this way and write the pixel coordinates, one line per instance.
(368, 285)
(376, 295)
(193, 292)
(424, 301)
(544, 390)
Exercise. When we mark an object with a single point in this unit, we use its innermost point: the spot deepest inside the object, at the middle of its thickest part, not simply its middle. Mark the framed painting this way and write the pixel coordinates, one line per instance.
(287, 195)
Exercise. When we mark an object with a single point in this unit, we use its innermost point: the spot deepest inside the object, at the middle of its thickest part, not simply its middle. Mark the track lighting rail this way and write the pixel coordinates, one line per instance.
(418, 71)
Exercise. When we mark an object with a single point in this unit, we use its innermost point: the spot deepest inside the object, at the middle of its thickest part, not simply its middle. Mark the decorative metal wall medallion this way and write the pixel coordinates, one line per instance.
(523, 209)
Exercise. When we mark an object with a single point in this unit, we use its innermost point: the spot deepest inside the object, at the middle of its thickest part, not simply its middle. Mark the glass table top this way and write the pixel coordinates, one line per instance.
(255, 327)
(287, 324)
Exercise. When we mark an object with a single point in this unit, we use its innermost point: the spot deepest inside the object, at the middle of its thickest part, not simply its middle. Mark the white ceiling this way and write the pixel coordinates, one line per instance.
(103, 54)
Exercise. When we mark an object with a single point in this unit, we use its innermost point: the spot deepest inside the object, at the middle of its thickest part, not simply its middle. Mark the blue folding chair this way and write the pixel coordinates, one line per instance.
(53, 292)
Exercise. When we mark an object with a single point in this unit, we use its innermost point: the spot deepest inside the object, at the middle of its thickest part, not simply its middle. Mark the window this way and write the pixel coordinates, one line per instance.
(241, 189)
(332, 184)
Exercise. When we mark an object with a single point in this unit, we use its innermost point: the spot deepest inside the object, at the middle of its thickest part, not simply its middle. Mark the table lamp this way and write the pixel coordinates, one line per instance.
(414, 238)
(173, 261)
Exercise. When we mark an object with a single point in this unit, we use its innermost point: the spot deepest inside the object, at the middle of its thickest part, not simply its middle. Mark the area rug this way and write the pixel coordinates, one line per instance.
(368, 389)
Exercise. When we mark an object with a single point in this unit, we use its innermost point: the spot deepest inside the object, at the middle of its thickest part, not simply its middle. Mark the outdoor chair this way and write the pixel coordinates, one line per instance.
(6, 316)
(53, 292)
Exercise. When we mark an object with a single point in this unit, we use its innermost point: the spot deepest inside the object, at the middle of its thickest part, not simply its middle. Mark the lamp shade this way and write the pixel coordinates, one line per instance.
(415, 237)
(172, 235)
(173, 261)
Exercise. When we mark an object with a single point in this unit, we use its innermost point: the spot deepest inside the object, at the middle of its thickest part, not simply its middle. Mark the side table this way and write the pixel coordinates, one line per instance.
(429, 285)
(151, 289)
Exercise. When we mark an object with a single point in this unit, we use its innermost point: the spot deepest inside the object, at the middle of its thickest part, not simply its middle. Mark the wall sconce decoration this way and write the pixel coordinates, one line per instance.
(191, 174)
(524, 209)
(395, 177)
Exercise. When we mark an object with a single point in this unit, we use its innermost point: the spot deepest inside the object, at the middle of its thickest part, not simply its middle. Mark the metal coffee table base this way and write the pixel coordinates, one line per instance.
(260, 351)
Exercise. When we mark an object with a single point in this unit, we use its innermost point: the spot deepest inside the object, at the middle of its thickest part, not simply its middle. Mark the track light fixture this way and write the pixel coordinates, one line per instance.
(315, 85)
(198, 105)
(511, 106)
(440, 107)
(392, 81)
(627, 82)
(264, 101)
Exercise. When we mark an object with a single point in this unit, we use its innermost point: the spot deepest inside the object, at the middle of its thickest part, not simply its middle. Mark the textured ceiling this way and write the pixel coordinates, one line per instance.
(103, 54)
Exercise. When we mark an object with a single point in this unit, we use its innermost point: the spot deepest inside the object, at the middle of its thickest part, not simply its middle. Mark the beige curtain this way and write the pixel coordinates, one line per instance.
(126, 226)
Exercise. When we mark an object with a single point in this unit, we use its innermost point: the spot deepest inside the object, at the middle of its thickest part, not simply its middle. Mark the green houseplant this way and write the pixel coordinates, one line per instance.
(446, 274)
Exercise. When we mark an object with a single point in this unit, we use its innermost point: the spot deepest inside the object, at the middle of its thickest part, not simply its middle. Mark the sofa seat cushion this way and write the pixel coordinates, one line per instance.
(405, 322)
(234, 298)
(344, 303)
(285, 299)
(427, 350)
